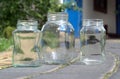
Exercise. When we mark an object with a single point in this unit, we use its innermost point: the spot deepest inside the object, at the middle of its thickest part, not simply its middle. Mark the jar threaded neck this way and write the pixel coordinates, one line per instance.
(92, 22)
(27, 24)
(57, 16)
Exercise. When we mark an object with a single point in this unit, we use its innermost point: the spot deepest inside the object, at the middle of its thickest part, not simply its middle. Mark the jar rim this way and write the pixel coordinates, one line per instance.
(27, 24)
(92, 19)
(92, 22)
(58, 13)
(26, 20)
(53, 16)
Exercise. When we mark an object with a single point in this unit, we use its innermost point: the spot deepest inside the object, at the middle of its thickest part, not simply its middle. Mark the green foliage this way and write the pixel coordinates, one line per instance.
(72, 5)
(13, 10)
(10, 12)
(5, 43)
(7, 32)
(56, 6)
(51, 39)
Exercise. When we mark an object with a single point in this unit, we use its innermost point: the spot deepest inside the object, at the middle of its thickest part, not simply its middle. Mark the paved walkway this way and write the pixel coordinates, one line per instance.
(113, 46)
(72, 72)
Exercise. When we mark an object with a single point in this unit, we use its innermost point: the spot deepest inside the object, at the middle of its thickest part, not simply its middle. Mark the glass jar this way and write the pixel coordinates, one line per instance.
(57, 43)
(92, 41)
(26, 44)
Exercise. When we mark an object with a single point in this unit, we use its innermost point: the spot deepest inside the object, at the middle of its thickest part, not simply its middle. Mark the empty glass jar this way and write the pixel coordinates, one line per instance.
(92, 41)
(26, 44)
(57, 43)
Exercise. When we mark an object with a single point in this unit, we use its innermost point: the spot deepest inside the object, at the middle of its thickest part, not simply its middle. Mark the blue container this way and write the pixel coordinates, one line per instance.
(75, 18)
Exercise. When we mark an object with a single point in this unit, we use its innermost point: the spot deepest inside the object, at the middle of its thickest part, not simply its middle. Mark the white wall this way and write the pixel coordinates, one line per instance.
(109, 18)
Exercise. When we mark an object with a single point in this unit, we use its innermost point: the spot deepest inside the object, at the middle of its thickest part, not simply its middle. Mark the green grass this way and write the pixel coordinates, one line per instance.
(5, 44)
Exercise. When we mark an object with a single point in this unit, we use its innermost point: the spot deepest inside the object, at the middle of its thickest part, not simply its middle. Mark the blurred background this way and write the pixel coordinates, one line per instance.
(13, 10)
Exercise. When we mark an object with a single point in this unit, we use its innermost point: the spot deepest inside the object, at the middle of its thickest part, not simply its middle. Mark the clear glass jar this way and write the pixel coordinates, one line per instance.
(92, 41)
(26, 44)
(57, 43)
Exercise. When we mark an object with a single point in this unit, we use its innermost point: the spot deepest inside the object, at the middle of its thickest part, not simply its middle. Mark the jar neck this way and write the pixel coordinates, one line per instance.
(92, 22)
(27, 25)
(57, 16)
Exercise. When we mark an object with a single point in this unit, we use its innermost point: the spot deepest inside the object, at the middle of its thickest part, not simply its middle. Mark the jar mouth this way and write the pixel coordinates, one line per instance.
(57, 16)
(92, 22)
(28, 21)
(27, 24)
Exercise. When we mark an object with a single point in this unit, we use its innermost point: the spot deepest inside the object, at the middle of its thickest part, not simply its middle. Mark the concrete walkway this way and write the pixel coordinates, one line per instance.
(71, 72)
(113, 46)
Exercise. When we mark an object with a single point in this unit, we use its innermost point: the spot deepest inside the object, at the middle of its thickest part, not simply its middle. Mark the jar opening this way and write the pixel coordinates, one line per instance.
(27, 24)
(92, 22)
(57, 16)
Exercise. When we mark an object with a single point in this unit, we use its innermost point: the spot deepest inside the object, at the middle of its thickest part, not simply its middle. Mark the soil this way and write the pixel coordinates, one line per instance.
(5, 58)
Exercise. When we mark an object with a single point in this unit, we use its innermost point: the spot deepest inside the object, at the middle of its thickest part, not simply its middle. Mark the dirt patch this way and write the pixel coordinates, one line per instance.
(5, 58)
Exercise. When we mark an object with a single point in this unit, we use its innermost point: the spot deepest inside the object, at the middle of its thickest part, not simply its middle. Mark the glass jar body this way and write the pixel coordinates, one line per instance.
(26, 47)
(57, 43)
(92, 41)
